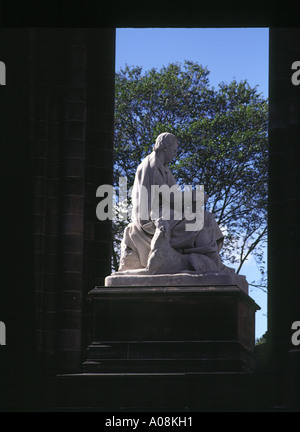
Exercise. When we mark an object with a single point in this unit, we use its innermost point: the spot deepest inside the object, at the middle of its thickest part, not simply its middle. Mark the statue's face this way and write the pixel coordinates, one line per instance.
(171, 151)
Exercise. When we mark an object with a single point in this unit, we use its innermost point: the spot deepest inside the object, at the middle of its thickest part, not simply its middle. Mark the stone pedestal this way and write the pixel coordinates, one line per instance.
(172, 329)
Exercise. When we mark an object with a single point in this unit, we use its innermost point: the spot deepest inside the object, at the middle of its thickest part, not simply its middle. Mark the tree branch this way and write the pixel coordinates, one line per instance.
(115, 259)
(251, 248)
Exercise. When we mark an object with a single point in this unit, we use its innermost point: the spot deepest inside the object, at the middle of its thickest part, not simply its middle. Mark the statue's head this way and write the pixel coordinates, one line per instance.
(166, 142)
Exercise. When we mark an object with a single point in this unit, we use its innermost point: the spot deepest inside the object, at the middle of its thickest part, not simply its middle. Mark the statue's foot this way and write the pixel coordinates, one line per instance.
(202, 264)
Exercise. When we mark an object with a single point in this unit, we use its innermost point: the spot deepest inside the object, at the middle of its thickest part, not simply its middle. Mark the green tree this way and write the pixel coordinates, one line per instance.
(222, 135)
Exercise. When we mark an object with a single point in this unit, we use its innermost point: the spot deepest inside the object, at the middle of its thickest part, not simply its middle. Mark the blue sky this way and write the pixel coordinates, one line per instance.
(228, 53)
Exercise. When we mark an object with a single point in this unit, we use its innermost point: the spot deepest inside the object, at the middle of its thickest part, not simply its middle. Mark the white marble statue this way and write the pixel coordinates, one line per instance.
(154, 245)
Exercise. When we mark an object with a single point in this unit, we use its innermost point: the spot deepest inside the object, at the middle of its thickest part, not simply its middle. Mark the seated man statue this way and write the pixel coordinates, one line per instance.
(153, 244)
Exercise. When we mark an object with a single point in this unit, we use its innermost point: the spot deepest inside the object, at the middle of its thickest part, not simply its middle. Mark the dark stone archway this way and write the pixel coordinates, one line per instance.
(57, 139)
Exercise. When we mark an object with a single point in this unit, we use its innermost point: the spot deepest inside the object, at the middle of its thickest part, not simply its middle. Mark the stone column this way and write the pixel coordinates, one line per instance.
(284, 195)
(16, 253)
(57, 110)
(57, 131)
(284, 187)
(72, 102)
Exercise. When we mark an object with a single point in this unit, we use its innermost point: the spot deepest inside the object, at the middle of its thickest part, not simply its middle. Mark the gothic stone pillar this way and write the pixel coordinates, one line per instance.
(284, 196)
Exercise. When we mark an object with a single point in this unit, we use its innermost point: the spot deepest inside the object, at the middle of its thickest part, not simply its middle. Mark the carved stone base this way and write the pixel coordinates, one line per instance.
(183, 279)
(175, 329)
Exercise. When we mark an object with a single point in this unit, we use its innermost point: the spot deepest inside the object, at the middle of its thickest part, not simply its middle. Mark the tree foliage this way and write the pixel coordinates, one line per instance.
(222, 135)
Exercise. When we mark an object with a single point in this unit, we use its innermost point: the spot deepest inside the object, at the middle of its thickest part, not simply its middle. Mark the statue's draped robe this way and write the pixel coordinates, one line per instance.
(140, 231)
